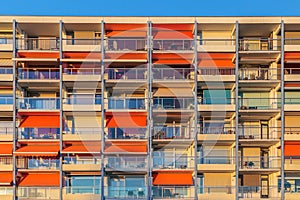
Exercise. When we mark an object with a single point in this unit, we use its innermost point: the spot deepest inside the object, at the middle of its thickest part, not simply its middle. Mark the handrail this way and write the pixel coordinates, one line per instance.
(172, 73)
(215, 71)
(215, 100)
(38, 103)
(38, 73)
(258, 74)
(6, 70)
(173, 44)
(40, 44)
(259, 162)
(216, 160)
(82, 41)
(6, 100)
(126, 73)
(126, 103)
(291, 71)
(259, 44)
(125, 44)
(173, 103)
(82, 71)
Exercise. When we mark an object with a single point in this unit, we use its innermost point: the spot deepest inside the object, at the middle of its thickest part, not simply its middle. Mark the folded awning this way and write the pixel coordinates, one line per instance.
(126, 147)
(173, 92)
(173, 35)
(172, 59)
(6, 148)
(6, 178)
(134, 34)
(126, 120)
(40, 180)
(292, 57)
(83, 148)
(38, 150)
(215, 60)
(292, 149)
(173, 178)
(43, 121)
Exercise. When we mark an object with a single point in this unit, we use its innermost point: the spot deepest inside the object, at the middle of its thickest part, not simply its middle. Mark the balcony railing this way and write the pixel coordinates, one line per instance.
(258, 132)
(38, 193)
(32, 103)
(292, 71)
(258, 103)
(82, 190)
(216, 190)
(173, 45)
(172, 73)
(173, 162)
(127, 133)
(128, 103)
(215, 71)
(6, 40)
(126, 74)
(126, 45)
(173, 132)
(292, 160)
(83, 100)
(258, 74)
(216, 130)
(38, 163)
(126, 163)
(6, 100)
(292, 41)
(259, 162)
(217, 42)
(86, 160)
(40, 44)
(6, 130)
(83, 41)
(292, 100)
(38, 73)
(173, 103)
(259, 44)
(83, 130)
(138, 192)
(39, 133)
(178, 192)
(6, 70)
(82, 71)
(257, 192)
(290, 130)
(6, 191)
(216, 100)
(216, 160)
(6, 161)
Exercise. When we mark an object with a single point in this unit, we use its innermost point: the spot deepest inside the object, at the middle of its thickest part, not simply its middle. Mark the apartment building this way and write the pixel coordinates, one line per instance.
(149, 108)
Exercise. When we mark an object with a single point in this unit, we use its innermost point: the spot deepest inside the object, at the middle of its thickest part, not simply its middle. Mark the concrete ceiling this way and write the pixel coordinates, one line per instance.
(40, 29)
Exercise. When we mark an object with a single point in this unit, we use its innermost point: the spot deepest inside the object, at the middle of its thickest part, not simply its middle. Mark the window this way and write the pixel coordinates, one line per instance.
(84, 184)
(216, 97)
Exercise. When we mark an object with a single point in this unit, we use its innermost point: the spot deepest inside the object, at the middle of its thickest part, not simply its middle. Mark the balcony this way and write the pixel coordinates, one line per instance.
(82, 133)
(82, 74)
(173, 45)
(115, 103)
(216, 45)
(217, 134)
(126, 74)
(291, 104)
(38, 133)
(38, 74)
(259, 163)
(173, 192)
(31, 193)
(126, 45)
(292, 44)
(6, 43)
(292, 163)
(215, 74)
(291, 133)
(112, 192)
(6, 73)
(213, 104)
(81, 193)
(259, 192)
(259, 45)
(173, 132)
(36, 103)
(127, 133)
(82, 163)
(37, 164)
(6, 104)
(292, 74)
(82, 44)
(126, 163)
(6, 133)
(172, 74)
(258, 133)
(173, 162)
(216, 164)
(258, 74)
(6, 193)
(6, 164)
(173, 104)
(88, 103)
(216, 192)
(38, 44)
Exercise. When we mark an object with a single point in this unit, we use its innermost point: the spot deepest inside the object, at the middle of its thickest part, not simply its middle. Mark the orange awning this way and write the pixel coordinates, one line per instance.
(173, 178)
(29, 54)
(40, 180)
(292, 57)
(172, 59)
(126, 147)
(82, 55)
(82, 147)
(215, 60)
(126, 120)
(6, 149)
(291, 84)
(38, 150)
(6, 178)
(125, 27)
(171, 34)
(40, 122)
(175, 26)
(292, 149)
(134, 34)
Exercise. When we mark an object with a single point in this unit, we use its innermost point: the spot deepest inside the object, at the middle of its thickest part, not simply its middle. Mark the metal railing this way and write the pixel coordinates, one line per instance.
(259, 44)
(173, 162)
(216, 100)
(6, 130)
(6, 70)
(126, 163)
(126, 103)
(83, 41)
(38, 193)
(259, 162)
(38, 73)
(126, 44)
(178, 192)
(292, 41)
(127, 133)
(216, 42)
(292, 160)
(6, 40)
(6, 100)
(82, 71)
(292, 100)
(173, 132)
(257, 192)
(290, 130)
(173, 103)
(6, 191)
(216, 190)
(216, 160)
(172, 73)
(86, 160)
(257, 132)
(38, 133)
(82, 190)
(32, 103)
(258, 74)
(216, 130)
(215, 71)
(173, 45)
(292, 71)
(83, 100)
(37, 163)
(83, 130)
(6, 161)
(40, 44)
(138, 192)
(126, 73)
(258, 103)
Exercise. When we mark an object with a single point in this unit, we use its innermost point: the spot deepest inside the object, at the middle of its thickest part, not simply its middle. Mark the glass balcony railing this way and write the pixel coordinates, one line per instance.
(6, 130)
(6, 40)
(216, 42)
(259, 44)
(217, 160)
(86, 160)
(290, 130)
(258, 192)
(258, 132)
(216, 100)
(173, 132)
(292, 161)
(38, 193)
(82, 71)
(38, 163)
(6, 70)
(82, 190)
(34, 103)
(113, 192)
(258, 103)
(127, 133)
(172, 73)
(83, 41)
(173, 45)
(83, 100)
(215, 71)
(38, 73)
(259, 162)
(126, 73)
(6, 101)
(40, 44)
(258, 74)
(83, 130)
(38, 133)
(173, 162)
(173, 103)
(216, 130)
(292, 71)
(216, 190)
(126, 45)
(169, 192)
(291, 101)
(128, 103)
(292, 41)
(6, 160)
(6, 191)
(126, 163)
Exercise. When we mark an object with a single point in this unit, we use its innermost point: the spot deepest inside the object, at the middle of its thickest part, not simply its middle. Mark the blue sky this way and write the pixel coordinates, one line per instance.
(152, 7)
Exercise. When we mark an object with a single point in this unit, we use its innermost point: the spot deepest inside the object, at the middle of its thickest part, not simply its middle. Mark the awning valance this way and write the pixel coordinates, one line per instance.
(40, 180)
(126, 120)
(173, 178)
(40, 122)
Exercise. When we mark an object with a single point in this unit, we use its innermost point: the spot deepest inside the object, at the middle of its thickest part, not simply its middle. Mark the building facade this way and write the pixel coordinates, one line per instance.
(149, 108)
